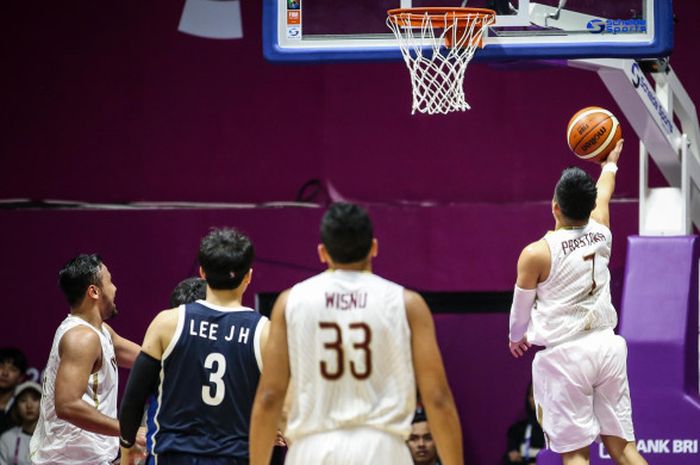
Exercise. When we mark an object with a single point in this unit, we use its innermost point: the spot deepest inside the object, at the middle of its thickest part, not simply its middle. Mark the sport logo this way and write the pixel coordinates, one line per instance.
(617, 26)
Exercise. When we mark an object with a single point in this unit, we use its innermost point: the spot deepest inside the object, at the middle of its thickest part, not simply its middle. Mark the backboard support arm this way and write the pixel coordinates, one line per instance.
(652, 111)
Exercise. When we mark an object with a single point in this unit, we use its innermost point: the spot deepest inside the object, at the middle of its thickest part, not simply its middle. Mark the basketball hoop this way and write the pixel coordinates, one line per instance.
(437, 44)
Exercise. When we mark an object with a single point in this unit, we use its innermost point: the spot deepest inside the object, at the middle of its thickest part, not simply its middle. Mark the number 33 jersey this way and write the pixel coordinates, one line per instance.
(575, 297)
(210, 372)
(349, 354)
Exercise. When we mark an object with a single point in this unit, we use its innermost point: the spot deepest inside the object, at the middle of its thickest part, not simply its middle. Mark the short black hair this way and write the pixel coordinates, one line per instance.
(187, 291)
(77, 275)
(419, 416)
(225, 255)
(576, 194)
(346, 232)
(14, 356)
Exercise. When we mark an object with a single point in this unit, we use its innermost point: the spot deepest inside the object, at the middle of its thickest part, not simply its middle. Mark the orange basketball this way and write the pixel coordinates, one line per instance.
(592, 133)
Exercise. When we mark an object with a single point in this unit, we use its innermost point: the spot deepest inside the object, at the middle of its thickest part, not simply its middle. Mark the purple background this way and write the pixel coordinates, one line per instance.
(109, 103)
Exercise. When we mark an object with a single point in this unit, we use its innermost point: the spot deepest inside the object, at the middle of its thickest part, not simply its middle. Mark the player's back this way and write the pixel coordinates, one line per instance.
(350, 355)
(575, 297)
(210, 373)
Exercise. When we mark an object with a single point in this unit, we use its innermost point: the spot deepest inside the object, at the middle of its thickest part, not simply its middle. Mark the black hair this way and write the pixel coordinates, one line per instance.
(419, 416)
(187, 291)
(77, 275)
(346, 232)
(225, 256)
(576, 194)
(15, 357)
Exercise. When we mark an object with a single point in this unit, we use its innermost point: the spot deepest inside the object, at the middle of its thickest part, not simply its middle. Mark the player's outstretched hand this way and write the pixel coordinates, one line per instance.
(519, 348)
(615, 153)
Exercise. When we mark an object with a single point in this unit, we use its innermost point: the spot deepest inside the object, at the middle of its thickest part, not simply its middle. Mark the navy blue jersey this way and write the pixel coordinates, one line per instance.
(210, 372)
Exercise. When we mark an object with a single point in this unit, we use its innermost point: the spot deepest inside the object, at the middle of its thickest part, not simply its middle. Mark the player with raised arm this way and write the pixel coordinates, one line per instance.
(351, 346)
(203, 359)
(562, 301)
(78, 414)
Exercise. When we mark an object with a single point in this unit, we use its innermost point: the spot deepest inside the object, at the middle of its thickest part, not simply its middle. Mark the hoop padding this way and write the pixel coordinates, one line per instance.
(437, 44)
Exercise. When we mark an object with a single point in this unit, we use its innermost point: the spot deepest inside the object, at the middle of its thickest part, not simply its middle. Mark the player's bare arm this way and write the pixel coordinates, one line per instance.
(125, 350)
(606, 187)
(533, 268)
(143, 379)
(432, 382)
(81, 355)
(269, 398)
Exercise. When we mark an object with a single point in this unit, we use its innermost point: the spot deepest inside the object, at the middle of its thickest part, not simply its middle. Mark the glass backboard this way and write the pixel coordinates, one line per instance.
(337, 30)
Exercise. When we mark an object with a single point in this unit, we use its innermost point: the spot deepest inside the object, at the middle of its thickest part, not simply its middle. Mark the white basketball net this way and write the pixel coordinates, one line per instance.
(437, 71)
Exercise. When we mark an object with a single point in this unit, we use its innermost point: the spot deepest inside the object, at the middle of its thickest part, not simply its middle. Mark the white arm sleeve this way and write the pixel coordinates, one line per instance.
(523, 299)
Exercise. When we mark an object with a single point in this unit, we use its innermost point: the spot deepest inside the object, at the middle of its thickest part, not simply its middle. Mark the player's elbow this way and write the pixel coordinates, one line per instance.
(65, 411)
(438, 399)
(269, 398)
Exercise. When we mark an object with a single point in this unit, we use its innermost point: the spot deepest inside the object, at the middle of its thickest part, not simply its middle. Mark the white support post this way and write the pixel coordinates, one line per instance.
(652, 111)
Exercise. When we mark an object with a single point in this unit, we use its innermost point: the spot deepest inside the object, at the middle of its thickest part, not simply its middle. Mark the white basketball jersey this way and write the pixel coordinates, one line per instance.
(349, 354)
(58, 441)
(575, 297)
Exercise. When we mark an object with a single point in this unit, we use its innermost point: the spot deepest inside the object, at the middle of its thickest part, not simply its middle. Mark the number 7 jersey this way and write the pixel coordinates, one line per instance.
(575, 297)
(349, 354)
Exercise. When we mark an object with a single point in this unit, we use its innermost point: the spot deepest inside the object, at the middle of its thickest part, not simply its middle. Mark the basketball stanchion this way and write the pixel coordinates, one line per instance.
(437, 44)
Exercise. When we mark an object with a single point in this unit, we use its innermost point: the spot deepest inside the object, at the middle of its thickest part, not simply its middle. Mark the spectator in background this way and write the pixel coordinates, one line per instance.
(420, 441)
(13, 365)
(525, 438)
(14, 443)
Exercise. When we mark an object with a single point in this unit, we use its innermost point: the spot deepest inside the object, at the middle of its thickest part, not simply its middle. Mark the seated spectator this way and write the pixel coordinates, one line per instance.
(420, 442)
(525, 438)
(14, 443)
(13, 365)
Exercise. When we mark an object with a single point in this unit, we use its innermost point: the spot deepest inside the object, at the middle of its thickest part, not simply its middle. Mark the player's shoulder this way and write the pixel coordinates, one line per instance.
(80, 340)
(165, 321)
(80, 334)
(535, 250)
(597, 225)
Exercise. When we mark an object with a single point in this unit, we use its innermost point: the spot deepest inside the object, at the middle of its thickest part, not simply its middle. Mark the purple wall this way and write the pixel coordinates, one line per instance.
(110, 103)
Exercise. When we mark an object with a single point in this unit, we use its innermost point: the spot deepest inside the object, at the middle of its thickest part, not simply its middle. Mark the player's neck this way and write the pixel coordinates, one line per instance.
(562, 223)
(89, 314)
(358, 266)
(224, 298)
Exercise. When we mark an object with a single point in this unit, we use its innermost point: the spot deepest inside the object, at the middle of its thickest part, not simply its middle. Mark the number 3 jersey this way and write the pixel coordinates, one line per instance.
(575, 297)
(209, 375)
(349, 354)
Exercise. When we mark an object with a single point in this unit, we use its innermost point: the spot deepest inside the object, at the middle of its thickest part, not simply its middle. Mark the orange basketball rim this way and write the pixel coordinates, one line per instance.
(460, 18)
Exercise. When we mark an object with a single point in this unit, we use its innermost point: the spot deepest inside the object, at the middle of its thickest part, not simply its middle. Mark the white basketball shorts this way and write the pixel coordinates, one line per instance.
(350, 446)
(581, 391)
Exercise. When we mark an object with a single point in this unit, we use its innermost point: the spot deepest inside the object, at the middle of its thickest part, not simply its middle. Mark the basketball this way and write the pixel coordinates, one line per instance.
(592, 133)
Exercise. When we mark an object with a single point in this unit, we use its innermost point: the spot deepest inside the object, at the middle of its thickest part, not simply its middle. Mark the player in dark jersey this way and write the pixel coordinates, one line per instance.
(204, 361)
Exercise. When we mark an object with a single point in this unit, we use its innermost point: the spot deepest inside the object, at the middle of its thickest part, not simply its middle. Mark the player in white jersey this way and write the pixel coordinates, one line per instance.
(351, 346)
(562, 301)
(77, 420)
